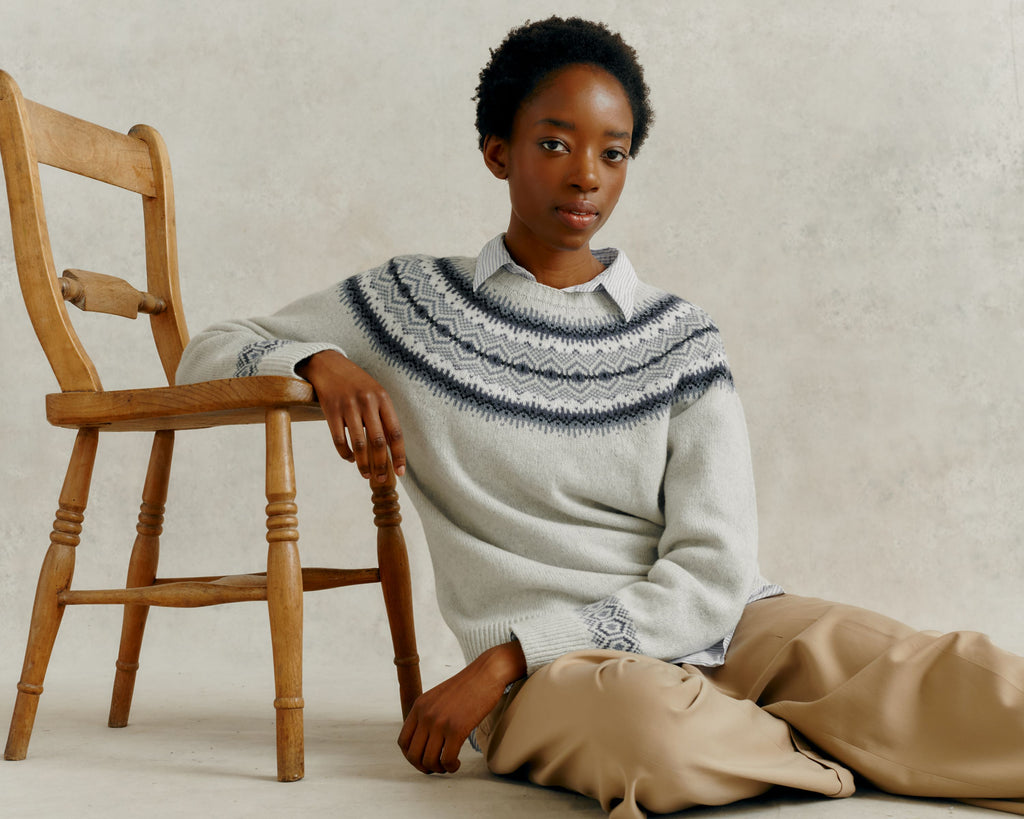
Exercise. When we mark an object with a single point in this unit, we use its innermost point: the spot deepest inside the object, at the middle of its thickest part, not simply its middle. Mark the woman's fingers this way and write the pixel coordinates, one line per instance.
(368, 442)
(359, 412)
(412, 740)
(393, 430)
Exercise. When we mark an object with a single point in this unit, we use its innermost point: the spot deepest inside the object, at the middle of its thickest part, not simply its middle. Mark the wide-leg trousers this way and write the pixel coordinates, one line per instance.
(810, 692)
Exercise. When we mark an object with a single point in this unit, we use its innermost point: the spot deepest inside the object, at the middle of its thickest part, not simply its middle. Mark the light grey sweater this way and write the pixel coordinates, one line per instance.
(583, 479)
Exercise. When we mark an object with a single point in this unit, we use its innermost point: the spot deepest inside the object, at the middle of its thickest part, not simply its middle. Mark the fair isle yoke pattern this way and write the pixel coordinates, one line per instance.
(545, 537)
(569, 372)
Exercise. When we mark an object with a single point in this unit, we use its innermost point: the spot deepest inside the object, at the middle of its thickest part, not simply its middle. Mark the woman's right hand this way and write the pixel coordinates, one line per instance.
(359, 413)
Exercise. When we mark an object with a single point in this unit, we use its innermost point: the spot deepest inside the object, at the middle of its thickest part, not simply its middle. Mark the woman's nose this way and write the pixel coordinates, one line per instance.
(584, 173)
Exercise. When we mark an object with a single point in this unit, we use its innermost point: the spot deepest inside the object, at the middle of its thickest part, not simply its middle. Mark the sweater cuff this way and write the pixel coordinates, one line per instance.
(545, 639)
(277, 357)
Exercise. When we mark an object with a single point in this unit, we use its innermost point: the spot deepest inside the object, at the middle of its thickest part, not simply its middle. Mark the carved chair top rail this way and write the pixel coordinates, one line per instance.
(31, 134)
(72, 144)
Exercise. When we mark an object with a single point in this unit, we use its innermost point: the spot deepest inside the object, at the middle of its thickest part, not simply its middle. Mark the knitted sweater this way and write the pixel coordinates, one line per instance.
(583, 480)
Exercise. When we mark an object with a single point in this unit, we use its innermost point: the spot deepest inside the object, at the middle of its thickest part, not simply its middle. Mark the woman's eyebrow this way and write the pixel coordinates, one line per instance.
(569, 126)
(557, 123)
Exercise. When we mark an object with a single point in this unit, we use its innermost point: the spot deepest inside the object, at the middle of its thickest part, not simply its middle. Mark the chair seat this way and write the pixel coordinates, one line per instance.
(188, 406)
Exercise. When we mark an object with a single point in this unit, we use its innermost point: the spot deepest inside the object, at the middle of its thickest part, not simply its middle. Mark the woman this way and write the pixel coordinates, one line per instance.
(576, 450)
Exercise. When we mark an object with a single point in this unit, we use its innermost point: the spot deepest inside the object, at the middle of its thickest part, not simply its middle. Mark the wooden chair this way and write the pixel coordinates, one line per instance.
(30, 134)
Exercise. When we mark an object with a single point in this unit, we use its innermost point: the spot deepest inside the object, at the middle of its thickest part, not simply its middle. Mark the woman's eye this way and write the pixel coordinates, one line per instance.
(553, 145)
(615, 155)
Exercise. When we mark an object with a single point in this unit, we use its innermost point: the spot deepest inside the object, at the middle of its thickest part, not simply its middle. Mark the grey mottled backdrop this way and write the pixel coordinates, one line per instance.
(839, 183)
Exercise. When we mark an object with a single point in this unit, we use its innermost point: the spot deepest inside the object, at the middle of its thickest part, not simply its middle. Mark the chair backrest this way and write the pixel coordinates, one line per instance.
(31, 134)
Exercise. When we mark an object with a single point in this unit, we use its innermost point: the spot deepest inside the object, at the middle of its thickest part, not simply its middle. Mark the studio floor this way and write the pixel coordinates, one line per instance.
(202, 747)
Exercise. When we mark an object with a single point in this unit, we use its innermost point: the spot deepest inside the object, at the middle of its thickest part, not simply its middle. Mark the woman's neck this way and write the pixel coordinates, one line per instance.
(554, 267)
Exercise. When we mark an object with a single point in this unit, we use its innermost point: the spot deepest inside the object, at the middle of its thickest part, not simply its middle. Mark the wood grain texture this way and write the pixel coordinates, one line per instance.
(100, 293)
(396, 586)
(32, 252)
(71, 144)
(189, 406)
(141, 574)
(284, 595)
(196, 592)
(31, 134)
(54, 578)
(169, 330)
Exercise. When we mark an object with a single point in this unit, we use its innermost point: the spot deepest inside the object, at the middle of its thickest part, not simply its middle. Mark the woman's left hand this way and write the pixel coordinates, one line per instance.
(441, 719)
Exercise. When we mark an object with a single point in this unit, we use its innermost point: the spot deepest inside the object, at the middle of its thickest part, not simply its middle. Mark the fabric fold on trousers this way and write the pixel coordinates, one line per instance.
(631, 731)
(809, 692)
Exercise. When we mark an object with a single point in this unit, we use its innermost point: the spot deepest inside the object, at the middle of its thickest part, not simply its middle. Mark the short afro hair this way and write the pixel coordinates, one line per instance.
(533, 51)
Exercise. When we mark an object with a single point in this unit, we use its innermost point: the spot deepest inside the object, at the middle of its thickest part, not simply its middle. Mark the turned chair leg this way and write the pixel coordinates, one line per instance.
(284, 595)
(396, 585)
(141, 572)
(54, 578)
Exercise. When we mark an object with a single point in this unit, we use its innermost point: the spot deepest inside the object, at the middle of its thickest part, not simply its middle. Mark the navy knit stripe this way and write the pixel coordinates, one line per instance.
(521, 368)
(499, 311)
(623, 413)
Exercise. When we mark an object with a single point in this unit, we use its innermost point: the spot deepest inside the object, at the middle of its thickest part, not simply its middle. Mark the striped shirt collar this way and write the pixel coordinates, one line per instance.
(618, 279)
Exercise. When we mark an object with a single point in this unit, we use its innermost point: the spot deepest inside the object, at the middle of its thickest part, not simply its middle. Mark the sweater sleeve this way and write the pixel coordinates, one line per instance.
(706, 566)
(272, 345)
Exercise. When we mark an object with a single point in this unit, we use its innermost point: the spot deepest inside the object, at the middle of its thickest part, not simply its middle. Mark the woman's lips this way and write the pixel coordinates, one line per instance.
(577, 215)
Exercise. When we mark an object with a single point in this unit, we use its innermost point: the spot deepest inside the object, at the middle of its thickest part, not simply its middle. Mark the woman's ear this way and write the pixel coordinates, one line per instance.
(496, 155)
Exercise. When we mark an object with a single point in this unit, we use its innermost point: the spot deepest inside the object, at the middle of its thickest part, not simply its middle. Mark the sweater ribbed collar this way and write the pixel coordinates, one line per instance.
(618, 279)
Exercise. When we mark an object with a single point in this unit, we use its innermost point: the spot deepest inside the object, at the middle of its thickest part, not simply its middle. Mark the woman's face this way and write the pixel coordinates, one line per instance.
(566, 159)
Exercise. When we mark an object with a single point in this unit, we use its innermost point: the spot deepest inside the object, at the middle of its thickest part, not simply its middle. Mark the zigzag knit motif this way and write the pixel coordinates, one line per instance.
(535, 365)
(251, 355)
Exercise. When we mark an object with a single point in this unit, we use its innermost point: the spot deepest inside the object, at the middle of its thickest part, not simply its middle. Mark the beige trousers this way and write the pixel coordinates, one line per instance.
(810, 691)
